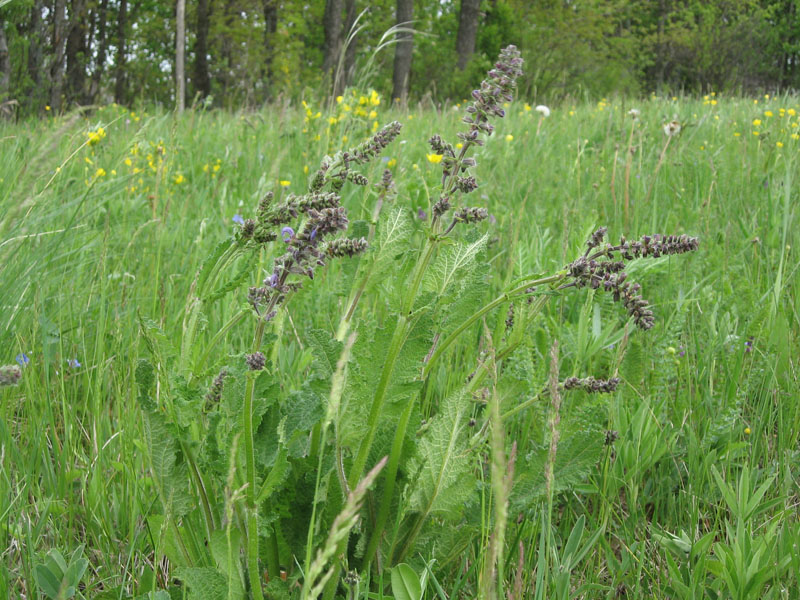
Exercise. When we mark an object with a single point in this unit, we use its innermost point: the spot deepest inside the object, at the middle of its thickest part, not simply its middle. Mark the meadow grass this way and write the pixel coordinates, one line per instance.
(100, 228)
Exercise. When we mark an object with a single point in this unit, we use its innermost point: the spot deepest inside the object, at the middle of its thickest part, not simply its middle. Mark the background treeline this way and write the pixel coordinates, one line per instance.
(60, 53)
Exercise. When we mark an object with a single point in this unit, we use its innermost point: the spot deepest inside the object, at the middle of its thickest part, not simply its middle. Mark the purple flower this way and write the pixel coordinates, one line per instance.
(272, 280)
(748, 345)
(73, 363)
(422, 215)
(287, 233)
(22, 359)
(313, 234)
(238, 219)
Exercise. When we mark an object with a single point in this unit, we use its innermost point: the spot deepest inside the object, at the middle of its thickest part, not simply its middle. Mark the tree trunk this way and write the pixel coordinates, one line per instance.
(180, 46)
(102, 50)
(122, 38)
(332, 22)
(226, 51)
(402, 52)
(270, 28)
(5, 64)
(467, 31)
(59, 46)
(350, 52)
(76, 50)
(202, 80)
(35, 51)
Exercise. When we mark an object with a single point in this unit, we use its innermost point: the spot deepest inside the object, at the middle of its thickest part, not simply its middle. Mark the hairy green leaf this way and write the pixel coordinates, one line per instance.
(204, 583)
(444, 479)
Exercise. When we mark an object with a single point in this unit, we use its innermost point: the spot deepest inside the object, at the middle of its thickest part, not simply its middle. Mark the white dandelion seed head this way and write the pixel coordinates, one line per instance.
(672, 128)
(543, 109)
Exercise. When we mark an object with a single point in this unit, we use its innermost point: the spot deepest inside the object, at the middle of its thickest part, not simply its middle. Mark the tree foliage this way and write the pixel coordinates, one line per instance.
(247, 52)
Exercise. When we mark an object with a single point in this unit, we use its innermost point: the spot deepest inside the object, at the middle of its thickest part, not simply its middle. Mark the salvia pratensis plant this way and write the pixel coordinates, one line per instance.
(304, 436)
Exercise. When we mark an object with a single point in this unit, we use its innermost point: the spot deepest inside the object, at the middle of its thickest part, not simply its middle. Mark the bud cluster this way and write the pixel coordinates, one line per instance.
(486, 103)
(214, 393)
(10, 375)
(649, 246)
(495, 89)
(591, 385)
(256, 361)
(602, 270)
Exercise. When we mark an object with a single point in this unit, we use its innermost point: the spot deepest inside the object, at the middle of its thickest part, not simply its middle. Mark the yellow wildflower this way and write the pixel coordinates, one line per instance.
(101, 172)
(128, 162)
(713, 103)
(179, 179)
(305, 169)
(344, 139)
(791, 112)
(755, 133)
(332, 120)
(527, 107)
(339, 99)
(285, 183)
(767, 113)
(459, 145)
(779, 144)
(756, 122)
(96, 135)
(747, 431)
(796, 136)
(509, 138)
(736, 134)
(391, 162)
(374, 98)
(47, 107)
(434, 158)
(372, 115)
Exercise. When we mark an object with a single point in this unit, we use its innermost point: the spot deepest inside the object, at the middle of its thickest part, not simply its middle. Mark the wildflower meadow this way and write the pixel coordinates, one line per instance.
(483, 348)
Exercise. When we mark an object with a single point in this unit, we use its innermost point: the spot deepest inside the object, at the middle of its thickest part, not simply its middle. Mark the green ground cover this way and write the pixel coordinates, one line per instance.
(681, 483)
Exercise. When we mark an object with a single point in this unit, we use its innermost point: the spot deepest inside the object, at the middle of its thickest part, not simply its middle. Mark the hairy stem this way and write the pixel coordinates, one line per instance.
(505, 297)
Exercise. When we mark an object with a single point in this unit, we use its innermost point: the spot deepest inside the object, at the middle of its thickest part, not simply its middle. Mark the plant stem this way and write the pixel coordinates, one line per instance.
(388, 490)
(505, 297)
(401, 331)
(250, 494)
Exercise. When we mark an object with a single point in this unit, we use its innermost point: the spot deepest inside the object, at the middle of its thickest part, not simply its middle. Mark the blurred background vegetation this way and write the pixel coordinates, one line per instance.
(56, 54)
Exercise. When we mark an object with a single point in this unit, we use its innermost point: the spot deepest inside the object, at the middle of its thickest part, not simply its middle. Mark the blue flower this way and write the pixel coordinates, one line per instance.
(272, 280)
(313, 234)
(73, 363)
(238, 219)
(22, 359)
(287, 233)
